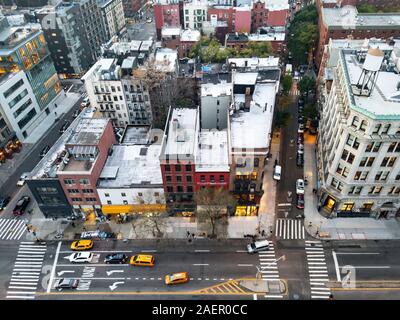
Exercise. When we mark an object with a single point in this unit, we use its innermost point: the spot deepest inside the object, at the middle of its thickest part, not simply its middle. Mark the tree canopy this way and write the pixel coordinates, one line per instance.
(303, 34)
(287, 83)
(306, 84)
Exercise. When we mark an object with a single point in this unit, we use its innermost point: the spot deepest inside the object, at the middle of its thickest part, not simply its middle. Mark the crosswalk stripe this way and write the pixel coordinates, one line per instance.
(316, 263)
(319, 297)
(273, 296)
(20, 292)
(20, 297)
(5, 227)
(316, 283)
(18, 287)
(320, 292)
(289, 229)
(323, 289)
(313, 241)
(318, 271)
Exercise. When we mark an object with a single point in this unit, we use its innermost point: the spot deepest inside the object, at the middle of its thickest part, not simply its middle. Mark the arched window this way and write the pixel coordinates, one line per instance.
(364, 125)
(355, 122)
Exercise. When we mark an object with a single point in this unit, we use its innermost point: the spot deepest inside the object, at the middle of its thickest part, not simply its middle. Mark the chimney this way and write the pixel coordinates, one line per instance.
(247, 99)
(175, 124)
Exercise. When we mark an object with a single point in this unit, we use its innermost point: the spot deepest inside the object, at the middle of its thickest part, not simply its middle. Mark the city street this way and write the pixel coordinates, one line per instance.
(308, 268)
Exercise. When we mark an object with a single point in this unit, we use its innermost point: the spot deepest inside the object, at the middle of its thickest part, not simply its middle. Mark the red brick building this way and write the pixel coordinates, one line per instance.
(166, 13)
(131, 7)
(259, 15)
(219, 13)
(87, 150)
(181, 40)
(340, 23)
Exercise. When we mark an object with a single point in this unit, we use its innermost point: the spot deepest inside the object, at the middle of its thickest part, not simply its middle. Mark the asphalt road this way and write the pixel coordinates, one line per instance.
(213, 267)
(290, 172)
(10, 186)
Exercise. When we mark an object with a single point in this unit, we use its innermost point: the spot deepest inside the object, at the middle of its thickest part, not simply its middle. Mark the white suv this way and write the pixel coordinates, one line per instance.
(300, 186)
(80, 257)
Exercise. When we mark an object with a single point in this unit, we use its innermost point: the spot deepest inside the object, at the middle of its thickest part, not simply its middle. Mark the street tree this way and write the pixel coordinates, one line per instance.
(287, 82)
(212, 207)
(306, 84)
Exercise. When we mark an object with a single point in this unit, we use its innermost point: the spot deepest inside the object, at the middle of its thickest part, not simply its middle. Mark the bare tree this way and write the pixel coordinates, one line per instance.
(213, 205)
(154, 222)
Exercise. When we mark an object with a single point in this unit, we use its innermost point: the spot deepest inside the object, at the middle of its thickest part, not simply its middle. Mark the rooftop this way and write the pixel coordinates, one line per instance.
(348, 18)
(216, 90)
(252, 129)
(103, 69)
(170, 31)
(273, 36)
(212, 152)
(132, 165)
(54, 158)
(190, 35)
(277, 5)
(255, 62)
(88, 131)
(181, 135)
(136, 135)
(166, 59)
(384, 101)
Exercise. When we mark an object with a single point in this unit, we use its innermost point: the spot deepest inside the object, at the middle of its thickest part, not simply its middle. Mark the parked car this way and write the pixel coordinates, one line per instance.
(300, 102)
(76, 113)
(44, 151)
(299, 186)
(3, 202)
(301, 119)
(300, 147)
(66, 283)
(300, 130)
(97, 234)
(301, 126)
(21, 205)
(299, 160)
(81, 257)
(80, 245)
(175, 278)
(22, 179)
(300, 201)
(116, 258)
(64, 127)
(277, 172)
(149, 20)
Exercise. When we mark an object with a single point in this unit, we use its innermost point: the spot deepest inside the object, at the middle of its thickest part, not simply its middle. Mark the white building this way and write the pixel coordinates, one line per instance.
(19, 109)
(195, 13)
(131, 180)
(215, 102)
(359, 137)
(115, 92)
(113, 17)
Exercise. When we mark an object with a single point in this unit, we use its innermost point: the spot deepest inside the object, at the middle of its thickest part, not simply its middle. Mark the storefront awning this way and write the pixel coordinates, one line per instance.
(136, 208)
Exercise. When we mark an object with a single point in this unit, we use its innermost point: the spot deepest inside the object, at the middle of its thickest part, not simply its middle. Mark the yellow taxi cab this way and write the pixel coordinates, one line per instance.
(175, 278)
(142, 260)
(82, 245)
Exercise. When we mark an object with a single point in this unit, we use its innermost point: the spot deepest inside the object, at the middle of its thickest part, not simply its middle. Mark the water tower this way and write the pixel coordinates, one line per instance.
(369, 74)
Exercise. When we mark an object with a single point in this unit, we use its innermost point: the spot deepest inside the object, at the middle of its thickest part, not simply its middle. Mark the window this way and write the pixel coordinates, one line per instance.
(221, 178)
(91, 199)
(28, 117)
(386, 128)
(370, 161)
(140, 194)
(212, 179)
(109, 202)
(76, 199)
(377, 128)
(189, 189)
(392, 161)
(168, 178)
(202, 178)
(363, 161)
(69, 181)
(178, 178)
(179, 189)
(378, 175)
(125, 201)
(87, 190)
(355, 122)
(73, 190)
(106, 194)
(357, 175)
(170, 189)
(188, 167)
(167, 168)
(178, 167)
(339, 168)
(384, 161)
(350, 140)
(188, 178)
(391, 147)
(123, 194)
(350, 159)
(377, 146)
(345, 154)
(256, 162)
(355, 190)
(363, 126)
(364, 175)
(84, 181)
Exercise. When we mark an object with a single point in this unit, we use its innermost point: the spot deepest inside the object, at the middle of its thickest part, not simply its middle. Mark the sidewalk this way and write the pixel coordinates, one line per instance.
(338, 228)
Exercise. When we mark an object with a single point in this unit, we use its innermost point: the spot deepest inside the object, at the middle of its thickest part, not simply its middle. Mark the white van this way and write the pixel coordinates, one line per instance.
(277, 172)
(258, 246)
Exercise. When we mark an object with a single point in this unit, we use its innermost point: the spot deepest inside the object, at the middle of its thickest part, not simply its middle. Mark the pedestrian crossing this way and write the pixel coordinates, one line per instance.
(317, 270)
(269, 268)
(294, 92)
(231, 287)
(290, 229)
(26, 273)
(12, 229)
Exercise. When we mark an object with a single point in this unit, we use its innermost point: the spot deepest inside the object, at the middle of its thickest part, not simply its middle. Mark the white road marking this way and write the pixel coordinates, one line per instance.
(200, 264)
(245, 265)
(201, 250)
(357, 253)
(273, 296)
(241, 251)
(54, 267)
(254, 296)
(319, 297)
(336, 266)
(18, 287)
(371, 267)
(21, 297)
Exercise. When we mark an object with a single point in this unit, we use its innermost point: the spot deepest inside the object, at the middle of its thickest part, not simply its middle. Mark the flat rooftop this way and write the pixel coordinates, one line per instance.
(88, 132)
(181, 135)
(216, 90)
(166, 59)
(212, 153)
(252, 129)
(384, 101)
(132, 165)
(136, 135)
(348, 17)
(255, 62)
(190, 35)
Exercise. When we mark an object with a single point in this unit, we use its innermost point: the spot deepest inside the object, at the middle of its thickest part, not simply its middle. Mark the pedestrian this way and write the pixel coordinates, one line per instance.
(317, 233)
(73, 224)
(84, 229)
(331, 296)
(187, 234)
(263, 233)
(193, 235)
(314, 191)
(310, 224)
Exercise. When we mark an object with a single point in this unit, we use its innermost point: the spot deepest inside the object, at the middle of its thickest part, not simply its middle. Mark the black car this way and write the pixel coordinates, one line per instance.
(301, 119)
(300, 103)
(44, 151)
(66, 283)
(21, 205)
(299, 160)
(4, 202)
(116, 258)
(65, 126)
(300, 201)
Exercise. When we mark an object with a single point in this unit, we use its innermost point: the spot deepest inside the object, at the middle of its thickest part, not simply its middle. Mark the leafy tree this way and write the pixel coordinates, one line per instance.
(306, 84)
(287, 82)
(310, 111)
(281, 118)
(212, 206)
(366, 8)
